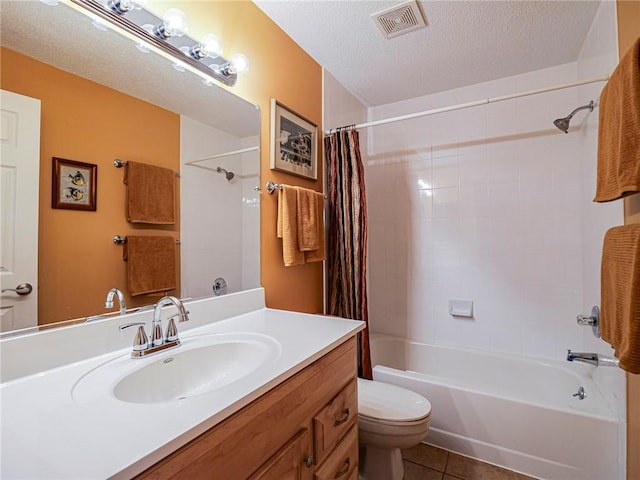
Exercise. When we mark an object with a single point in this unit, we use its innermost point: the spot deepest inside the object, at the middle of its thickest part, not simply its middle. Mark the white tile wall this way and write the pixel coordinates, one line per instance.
(215, 213)
(491, 203)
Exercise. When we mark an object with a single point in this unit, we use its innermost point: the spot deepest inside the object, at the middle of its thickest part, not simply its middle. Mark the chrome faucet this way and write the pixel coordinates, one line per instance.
(108, 303)
(592, 359)
(144, 346)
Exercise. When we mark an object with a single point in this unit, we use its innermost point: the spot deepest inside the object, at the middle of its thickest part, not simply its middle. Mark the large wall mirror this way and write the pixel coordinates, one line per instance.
(102, 98)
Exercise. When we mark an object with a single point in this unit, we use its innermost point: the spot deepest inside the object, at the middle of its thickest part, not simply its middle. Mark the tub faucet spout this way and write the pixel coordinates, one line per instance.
(592, 359)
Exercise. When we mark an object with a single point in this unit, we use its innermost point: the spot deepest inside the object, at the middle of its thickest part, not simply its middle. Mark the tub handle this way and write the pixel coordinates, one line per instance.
(592, 320)
(345, 469)
(342, 419)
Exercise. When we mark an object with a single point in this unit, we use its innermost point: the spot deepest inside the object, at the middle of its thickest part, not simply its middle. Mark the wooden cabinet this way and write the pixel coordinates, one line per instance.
(303, 429)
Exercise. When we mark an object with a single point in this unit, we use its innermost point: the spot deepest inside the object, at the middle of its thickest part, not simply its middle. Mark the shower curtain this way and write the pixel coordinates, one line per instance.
(347, 246)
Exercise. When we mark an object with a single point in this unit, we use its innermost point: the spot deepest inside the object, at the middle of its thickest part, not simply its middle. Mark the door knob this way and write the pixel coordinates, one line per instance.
(22, 289)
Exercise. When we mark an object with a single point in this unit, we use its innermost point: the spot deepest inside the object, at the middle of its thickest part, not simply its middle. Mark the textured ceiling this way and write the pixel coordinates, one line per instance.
(64, 38)
(465, 42)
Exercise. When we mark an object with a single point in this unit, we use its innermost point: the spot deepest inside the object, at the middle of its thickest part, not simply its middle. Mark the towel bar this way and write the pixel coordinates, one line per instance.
(272, 187)
(120, 240)
(121, 163)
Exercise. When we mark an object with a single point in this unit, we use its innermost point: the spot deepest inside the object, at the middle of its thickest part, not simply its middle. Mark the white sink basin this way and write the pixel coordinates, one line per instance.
(200, 365)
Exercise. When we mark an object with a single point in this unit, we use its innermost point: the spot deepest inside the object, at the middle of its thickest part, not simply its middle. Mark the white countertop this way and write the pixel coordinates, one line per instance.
(46, 433)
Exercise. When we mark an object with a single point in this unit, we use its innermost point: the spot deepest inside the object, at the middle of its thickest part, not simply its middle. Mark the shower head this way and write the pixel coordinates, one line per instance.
(228, 175)
(563, 123)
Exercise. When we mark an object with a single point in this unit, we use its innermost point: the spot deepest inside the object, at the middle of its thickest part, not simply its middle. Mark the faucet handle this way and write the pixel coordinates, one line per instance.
(140, 341)
(156, 334)
(171, 335)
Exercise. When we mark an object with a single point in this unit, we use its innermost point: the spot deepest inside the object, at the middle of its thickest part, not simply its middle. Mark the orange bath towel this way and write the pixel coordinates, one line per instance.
(619, 130)
(151, 264)
(307, 217)
(318, 255)
(151, 194)
(620, 294)
(300, 225)
(287, 226)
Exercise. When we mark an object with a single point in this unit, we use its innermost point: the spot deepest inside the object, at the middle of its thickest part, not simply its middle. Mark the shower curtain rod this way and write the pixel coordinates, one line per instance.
(192, 163)
(484, 101)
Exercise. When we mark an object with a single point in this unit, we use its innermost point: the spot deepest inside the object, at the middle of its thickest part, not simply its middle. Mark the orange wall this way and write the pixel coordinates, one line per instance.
(279, 69)
(628, 32)
(87, 122)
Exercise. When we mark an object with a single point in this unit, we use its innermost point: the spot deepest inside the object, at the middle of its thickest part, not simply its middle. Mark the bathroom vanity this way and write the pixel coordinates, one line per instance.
(281, 401)
(305, 428)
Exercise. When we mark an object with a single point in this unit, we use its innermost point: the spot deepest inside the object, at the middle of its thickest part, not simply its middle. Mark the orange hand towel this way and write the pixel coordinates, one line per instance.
(151, 264)
(619, 130)
(151, 194)
(287, 226)
(307, 217)
(318, 254)
(620, 295)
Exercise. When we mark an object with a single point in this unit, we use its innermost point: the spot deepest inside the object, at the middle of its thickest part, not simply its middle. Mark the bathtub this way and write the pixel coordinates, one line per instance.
(514, 412)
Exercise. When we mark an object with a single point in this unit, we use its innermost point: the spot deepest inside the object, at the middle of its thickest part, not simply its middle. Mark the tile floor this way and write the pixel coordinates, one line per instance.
(426, 462)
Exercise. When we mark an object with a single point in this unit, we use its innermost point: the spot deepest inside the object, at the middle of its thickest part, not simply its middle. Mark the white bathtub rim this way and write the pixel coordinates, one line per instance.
(574, 369)
(435, 380)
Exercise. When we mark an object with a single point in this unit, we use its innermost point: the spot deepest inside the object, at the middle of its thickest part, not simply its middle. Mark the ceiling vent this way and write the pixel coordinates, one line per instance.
(399, 19)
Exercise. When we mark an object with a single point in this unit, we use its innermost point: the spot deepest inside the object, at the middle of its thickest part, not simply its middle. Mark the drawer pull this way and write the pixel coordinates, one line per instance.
(342, 419)
(309, 461)
(345, 469)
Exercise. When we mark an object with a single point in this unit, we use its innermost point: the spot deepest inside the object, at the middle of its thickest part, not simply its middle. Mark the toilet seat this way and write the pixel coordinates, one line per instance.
(387, 404)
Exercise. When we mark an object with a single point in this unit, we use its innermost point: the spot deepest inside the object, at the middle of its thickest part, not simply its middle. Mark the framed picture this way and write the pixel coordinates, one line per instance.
(74, 185)
(293, 143)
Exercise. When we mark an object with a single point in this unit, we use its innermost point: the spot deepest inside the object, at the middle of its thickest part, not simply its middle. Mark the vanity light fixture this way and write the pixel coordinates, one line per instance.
(165, 36)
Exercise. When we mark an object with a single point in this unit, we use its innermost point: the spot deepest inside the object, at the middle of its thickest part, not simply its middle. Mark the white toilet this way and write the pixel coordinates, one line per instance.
(389, 418)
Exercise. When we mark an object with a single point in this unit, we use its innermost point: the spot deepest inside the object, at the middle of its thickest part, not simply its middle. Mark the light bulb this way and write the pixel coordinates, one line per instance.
(124, 6)
(209, 47)
(174, 23)
(239, 63)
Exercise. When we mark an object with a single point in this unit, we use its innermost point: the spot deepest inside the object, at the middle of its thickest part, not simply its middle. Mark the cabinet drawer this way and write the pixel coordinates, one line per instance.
(289, 463)
(334, 420)
(343, 462)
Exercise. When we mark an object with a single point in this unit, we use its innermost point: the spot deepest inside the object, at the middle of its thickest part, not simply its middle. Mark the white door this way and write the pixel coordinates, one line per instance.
(19, 185)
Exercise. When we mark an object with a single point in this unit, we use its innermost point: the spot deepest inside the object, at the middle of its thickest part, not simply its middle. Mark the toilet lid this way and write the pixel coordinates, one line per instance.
(388, 402)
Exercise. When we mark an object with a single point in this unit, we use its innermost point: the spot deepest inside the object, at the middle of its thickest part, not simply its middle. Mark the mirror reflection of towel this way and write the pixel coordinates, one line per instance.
(151, 264)
(151, 194)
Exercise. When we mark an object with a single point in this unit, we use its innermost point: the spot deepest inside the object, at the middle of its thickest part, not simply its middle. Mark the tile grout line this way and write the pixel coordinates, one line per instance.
(446, 463)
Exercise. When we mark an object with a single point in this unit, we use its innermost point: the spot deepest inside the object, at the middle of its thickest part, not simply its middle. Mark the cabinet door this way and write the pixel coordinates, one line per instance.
(291, 462)
(342, 462)
(332, 422)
